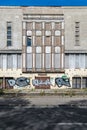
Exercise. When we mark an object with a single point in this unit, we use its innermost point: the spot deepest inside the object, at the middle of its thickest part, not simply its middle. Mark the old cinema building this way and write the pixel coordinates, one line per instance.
(40, 44)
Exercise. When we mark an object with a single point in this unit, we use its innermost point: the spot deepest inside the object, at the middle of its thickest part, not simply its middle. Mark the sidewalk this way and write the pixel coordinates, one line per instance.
(44, 92)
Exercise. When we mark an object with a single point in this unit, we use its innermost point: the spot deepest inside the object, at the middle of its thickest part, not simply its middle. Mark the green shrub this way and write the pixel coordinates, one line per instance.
(42, 92)
(1, 92)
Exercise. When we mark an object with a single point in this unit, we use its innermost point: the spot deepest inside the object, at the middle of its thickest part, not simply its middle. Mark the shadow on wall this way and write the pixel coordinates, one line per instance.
(13, 116)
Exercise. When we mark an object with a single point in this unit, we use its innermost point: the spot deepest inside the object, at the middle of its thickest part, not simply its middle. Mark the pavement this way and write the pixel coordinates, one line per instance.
(43, 111)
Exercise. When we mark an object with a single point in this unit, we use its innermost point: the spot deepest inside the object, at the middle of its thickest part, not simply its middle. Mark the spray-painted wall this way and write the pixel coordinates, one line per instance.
(38, 82)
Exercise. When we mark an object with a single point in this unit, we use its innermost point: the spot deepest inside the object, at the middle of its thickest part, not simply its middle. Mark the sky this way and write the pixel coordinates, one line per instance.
(43, 2)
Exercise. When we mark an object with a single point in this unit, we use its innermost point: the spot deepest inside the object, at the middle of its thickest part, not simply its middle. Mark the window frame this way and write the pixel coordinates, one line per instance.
(9, 33)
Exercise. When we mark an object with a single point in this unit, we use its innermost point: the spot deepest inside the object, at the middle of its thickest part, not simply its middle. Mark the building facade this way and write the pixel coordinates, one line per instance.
(40, 45)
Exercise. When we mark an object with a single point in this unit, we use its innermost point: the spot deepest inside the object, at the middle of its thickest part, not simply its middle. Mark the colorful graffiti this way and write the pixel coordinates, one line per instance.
(21, 82)
(60, 81)
(40, 81)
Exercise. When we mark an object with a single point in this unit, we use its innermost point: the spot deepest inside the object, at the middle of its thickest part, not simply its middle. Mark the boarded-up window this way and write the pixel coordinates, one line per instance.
(29, 26)
(43, 82)
(29, 61)
(38, 26)
(38, 40)
(48, 40)
(57, 41)
(48, 26)
(58, 26)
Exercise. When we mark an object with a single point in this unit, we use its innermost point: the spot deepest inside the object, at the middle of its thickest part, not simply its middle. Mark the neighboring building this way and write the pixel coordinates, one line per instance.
(41, 44)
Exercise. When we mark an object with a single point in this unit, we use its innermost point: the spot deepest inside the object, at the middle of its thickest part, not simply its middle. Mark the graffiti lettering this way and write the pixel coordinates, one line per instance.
(37, 82)
(21, 82)
(11, 82)
(60, 82)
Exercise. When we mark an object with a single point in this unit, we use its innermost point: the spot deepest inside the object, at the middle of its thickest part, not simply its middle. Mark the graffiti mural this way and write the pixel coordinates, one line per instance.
(52, 81)
(41, 82)
(60, 81)
(21, 82)
(37, 82)
(47, 81)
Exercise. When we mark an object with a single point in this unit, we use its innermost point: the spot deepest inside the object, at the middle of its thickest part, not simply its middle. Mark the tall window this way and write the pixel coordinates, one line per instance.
(29, 41)
(77, 33)
(9, 61)
(9, 33)
(48, 57)
(38, 58)
(57, 58)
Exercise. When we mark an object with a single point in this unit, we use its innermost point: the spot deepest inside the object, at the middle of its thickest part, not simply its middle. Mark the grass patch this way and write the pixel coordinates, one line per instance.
(69, 93)
(42, 93)
(55, 91)
(1, 92)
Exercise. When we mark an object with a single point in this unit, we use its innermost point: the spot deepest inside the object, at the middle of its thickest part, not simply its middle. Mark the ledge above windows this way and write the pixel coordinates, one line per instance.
(10, 51)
